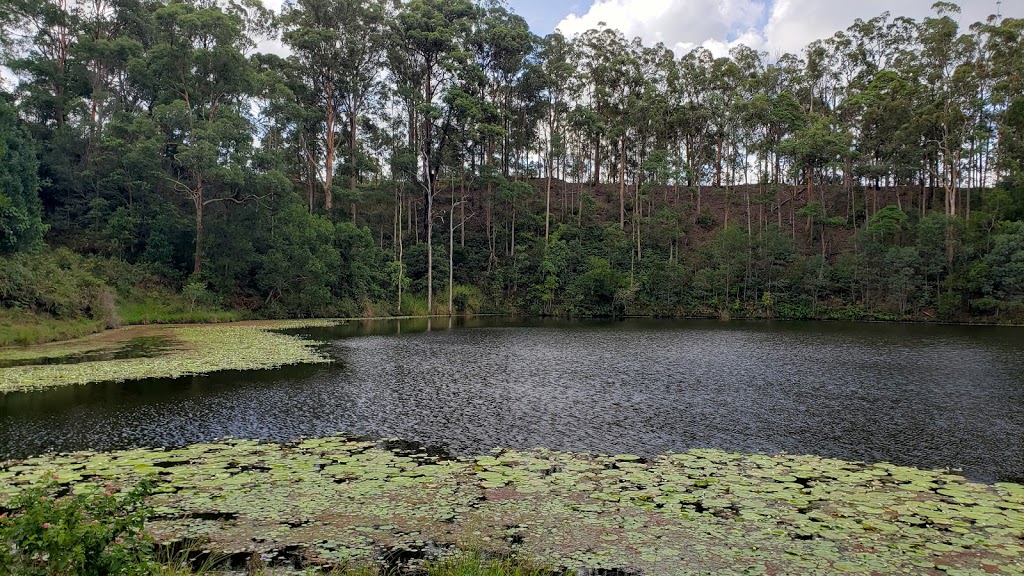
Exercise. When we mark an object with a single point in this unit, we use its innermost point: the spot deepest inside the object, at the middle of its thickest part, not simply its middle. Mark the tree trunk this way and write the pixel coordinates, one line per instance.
(353, 172)
(430, 251)
(428, 183)
(639, 247)
(398, 241)
(622, 184)
(197, 199)
(718, 165)
(810, 184)
(547, 203)
(330, 150)
(451, 258)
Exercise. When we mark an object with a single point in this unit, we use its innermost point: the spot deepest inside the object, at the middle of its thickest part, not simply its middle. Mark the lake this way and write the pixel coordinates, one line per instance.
(929, 396)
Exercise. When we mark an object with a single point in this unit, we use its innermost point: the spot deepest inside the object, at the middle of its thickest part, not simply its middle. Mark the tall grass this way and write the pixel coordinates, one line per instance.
(166, 307)
(20, 328)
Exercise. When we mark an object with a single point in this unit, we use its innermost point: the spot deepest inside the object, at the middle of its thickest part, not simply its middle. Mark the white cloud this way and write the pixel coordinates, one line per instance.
(795, 23)
(273, 45)
(776, 26)
(679, 24)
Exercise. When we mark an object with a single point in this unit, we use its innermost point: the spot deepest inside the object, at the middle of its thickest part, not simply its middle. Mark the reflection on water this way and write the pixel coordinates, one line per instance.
(930, 396)
(141, 347)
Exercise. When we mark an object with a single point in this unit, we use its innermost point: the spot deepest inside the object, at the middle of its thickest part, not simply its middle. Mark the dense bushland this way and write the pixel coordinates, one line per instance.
(437, 156)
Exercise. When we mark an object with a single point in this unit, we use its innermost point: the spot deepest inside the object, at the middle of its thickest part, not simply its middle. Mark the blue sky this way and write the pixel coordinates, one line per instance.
(544, 15)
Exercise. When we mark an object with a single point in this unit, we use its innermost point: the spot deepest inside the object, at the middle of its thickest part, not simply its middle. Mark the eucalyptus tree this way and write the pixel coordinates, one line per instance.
(500, 44)
(432, 34)
(339, 48)
(882, 109)
(943, 119)
(291, 114)
(769, 115)
(815, 145)
(1005, 48)
(41, 39)
(612, 67)
(556, 57)
(604, 60)
(200, 83)
(363, 48)
(695, 116)
(651, 134)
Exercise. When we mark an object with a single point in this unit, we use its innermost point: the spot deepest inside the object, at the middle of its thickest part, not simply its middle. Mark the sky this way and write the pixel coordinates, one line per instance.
(774, 26)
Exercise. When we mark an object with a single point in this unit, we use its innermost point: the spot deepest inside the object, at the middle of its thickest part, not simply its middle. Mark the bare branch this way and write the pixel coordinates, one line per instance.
(232, 199)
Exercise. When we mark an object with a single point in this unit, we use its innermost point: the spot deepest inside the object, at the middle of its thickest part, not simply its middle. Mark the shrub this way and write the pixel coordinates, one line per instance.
(467, 299)
(93, 533)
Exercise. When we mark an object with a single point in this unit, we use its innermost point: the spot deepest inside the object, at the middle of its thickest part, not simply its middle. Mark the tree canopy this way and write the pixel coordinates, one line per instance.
(877, 172)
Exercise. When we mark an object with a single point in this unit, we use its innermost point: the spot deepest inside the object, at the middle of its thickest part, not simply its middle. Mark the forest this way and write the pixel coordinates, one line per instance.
(191, 160)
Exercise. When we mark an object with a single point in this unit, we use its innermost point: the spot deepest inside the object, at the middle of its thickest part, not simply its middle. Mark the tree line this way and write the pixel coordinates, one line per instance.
(388, 152)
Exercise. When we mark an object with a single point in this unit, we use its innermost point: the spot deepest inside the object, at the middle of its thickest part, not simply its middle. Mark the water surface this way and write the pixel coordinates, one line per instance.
(922, 395)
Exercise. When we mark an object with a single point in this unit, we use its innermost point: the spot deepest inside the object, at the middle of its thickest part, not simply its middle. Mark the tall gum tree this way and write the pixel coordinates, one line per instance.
(433, 35)
(556, 57)
(201, 81)
(339, 48)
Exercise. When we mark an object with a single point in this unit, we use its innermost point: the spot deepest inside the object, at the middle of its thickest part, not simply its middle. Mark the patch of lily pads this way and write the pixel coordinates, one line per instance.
(197, 350)
(328, 501)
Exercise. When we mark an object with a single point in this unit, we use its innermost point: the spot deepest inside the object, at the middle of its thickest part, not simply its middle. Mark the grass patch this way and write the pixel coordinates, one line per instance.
(165, 306)
(413, 305)
(19, 328)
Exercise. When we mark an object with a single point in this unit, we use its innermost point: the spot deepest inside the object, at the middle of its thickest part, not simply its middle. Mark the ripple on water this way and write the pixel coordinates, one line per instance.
(929, 396)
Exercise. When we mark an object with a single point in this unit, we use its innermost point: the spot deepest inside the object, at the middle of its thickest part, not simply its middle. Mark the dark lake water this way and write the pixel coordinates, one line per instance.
(921, 395)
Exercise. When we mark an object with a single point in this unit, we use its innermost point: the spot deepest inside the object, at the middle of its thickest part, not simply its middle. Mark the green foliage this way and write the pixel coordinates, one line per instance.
(58, 283)
(467, 300)
(194, 291)
(21, 225)
(201, 174)
(594, 291)
(1004, 266)
(816, 145)
(887, 222)
(92, 533)
(162, 305)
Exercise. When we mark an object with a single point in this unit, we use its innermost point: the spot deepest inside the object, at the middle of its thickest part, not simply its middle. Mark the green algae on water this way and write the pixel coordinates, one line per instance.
(192, 350)
(340, 499)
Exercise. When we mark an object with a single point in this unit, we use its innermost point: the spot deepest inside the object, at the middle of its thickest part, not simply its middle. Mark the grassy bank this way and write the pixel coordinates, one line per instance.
(26, 328)
(337, 501)
(181, 351)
